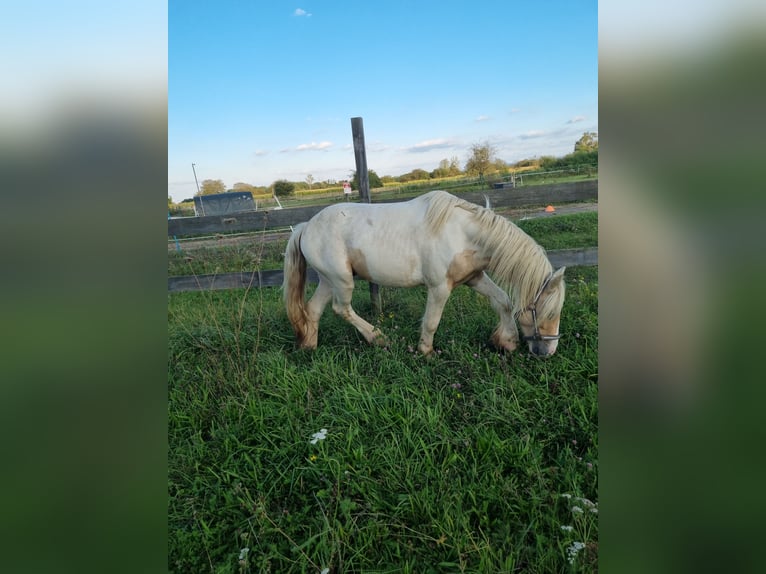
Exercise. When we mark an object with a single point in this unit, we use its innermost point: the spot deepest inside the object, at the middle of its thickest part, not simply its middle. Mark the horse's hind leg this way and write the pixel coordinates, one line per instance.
(341, 304)
(314, 309)
(505, 336)
(437, 298)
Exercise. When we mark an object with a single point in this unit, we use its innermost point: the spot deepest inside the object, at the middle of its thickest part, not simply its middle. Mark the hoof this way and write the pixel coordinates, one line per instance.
(426, 350)
(504, 343)
(379, 339)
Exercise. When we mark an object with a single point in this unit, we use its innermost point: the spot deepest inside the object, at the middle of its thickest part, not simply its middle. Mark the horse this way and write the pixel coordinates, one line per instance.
(437, 240)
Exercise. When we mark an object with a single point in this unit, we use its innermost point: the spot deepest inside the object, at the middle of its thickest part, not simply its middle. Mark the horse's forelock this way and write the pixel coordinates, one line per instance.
(552, 302)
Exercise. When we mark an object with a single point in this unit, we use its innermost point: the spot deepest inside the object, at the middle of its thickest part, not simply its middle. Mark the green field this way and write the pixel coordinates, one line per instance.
(469, 461)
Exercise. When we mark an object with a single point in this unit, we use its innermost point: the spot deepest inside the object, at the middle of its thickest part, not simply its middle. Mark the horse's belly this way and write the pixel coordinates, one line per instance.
(393, 271)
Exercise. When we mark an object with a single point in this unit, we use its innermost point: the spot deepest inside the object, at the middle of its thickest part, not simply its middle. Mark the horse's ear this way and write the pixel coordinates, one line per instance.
(557, 276)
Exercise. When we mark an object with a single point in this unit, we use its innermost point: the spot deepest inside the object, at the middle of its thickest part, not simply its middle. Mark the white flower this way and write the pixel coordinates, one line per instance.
(317, 436)
(566, 496)
(567, 528)
(573, 550)
(577, 509)
(325, 571)
(243, 553)
(591, 506)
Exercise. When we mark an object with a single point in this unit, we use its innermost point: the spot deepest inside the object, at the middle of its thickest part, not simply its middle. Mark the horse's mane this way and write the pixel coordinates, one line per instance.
(517, 262)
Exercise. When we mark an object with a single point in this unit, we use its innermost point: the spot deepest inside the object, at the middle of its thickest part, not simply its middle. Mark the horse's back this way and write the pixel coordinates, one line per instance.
(379, 242)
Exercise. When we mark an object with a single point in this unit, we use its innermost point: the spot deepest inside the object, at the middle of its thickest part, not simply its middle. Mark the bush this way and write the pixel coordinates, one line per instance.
(283, 188)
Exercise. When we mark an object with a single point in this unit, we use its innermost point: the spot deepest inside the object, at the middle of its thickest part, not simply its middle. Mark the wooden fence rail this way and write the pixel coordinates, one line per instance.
(554, 194)
(273, 278)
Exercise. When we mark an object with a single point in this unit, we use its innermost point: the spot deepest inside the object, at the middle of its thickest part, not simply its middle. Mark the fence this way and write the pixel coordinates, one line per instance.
(555, 194)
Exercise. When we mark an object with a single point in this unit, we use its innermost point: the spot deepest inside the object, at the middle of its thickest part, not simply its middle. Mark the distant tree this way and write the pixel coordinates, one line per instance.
(283, 188)
(372, 178)
(170, 201)
(415, 175)
(447, 168)
(454, 166)
(211, 186)
(527, 163)
(240, 186)
(442, 170)
(480, 161)
(548, 162)
(310, 180)
(588, 142)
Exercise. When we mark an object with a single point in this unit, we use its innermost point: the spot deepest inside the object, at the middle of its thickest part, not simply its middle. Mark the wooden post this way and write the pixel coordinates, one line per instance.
(360, 155)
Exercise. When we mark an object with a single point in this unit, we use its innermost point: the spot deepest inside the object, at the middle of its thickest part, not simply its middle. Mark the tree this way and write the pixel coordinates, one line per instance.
(527, 163)
(500, 165)
(283, 187)
(588, 142)
(240, 186)
(482, 156)
(454, 165)
(211, 186)
(548, 162)
(415, 175)
(442, 170)
(372, 178)
(310, 180)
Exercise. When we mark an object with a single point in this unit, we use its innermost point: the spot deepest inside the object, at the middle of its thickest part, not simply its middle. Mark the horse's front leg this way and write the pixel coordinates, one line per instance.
(506, 336)
(437, 298)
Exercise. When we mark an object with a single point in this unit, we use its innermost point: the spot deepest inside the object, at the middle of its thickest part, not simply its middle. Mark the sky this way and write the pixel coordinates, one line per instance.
(265, 90)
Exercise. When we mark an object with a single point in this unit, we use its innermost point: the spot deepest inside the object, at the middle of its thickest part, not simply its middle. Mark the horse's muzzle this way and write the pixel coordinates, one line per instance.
(541, 349)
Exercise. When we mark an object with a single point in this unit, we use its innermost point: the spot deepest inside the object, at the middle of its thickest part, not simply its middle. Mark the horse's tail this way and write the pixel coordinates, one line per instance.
(294, 284)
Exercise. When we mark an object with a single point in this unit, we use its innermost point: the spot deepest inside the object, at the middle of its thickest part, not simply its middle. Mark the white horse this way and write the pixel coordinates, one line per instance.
(436, 240)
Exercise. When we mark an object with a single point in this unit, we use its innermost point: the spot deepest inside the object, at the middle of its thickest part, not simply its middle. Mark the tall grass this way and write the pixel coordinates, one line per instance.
(470, 461)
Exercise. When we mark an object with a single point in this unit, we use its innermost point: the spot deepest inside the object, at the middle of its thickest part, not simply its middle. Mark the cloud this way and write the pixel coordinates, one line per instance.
(576, 119)
(429, 145)
(314, 146)
(377, 146)
(515, 110)
(260, 152)
(482, 119)
(532, 134)
(302, 12)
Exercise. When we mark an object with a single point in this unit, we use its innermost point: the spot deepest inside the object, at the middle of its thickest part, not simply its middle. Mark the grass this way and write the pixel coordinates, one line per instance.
(563, 231)
(470, 461)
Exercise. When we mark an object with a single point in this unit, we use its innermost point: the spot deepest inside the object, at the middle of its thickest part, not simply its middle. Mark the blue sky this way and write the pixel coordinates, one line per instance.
(265, 90)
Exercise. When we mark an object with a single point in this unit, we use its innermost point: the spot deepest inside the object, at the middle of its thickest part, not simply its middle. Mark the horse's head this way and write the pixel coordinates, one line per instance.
(539, 321)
